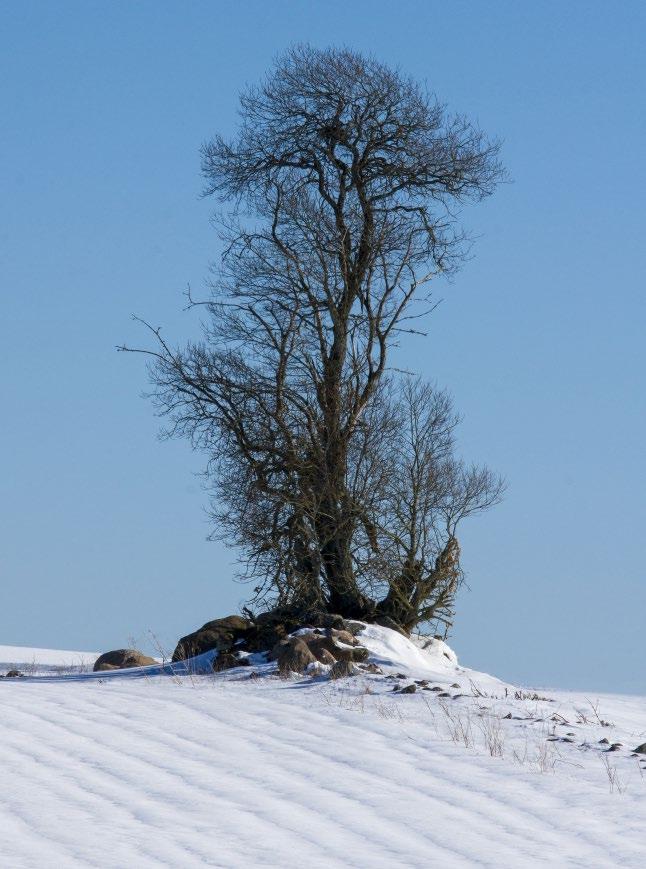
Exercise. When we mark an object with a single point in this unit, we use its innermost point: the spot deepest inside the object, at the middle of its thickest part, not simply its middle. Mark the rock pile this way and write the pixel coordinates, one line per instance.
(330, 646)
(296, 647)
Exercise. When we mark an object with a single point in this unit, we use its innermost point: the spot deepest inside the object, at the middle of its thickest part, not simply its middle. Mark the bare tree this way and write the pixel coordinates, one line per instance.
(344, 181)
(428, 492)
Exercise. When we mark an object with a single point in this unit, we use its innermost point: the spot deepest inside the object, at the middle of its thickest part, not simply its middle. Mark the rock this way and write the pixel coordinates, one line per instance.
(342, 670)
(294, 657)
(12, 674)
(121, 659)
(263, 637)
(344, 637)
(330, 620)
(371, 667)
(227, 661)
(267, 618)
(220, 634)
(360, 654)
(235, 624)
(268, 629)
(353, 627)
(318, 643)
(278, 648)
(409, 689)
(326, 657)
(641, 749)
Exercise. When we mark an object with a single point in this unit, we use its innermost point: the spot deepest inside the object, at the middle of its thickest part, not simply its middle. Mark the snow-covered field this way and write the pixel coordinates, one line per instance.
(52, 661)
(242, 769)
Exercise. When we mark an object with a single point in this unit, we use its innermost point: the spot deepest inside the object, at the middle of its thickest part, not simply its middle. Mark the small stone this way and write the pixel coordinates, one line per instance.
(455, 685)
(371, 667)
(409, 689)
(13, 673)
(641, 749)
(604, 741)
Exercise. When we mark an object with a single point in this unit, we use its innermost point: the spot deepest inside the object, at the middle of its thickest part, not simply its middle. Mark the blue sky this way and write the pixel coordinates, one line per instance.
(539, 338)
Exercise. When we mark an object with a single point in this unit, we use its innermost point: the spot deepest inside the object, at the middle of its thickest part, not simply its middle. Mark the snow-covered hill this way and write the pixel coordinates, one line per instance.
(242, 769)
